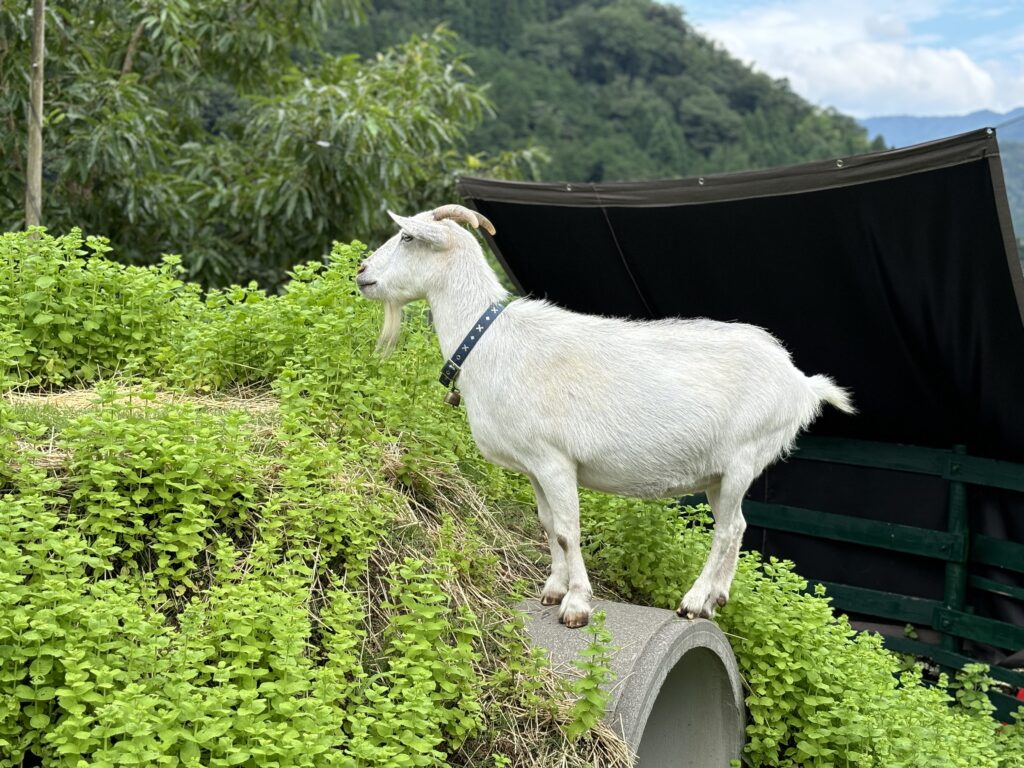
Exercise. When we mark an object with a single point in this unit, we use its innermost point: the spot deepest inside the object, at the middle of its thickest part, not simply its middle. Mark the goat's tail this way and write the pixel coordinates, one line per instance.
(826, 390)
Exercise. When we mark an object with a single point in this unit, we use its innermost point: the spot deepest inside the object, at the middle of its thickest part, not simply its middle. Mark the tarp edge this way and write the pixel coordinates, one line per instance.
(807, 177)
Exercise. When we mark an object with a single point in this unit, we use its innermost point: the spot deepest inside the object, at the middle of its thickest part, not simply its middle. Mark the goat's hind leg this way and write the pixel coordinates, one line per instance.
(558, 582)
(711, 589)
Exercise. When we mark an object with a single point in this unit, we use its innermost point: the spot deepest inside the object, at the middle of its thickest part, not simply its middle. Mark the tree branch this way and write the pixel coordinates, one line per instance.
(133, 46)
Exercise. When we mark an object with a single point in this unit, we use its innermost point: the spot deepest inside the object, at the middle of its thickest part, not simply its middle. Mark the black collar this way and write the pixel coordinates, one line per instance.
(453, 367)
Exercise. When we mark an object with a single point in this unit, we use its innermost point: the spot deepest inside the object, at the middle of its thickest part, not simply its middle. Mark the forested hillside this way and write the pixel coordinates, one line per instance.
(614, 89)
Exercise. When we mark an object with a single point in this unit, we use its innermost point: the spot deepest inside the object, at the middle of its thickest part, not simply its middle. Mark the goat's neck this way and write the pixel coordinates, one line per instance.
(456, 306)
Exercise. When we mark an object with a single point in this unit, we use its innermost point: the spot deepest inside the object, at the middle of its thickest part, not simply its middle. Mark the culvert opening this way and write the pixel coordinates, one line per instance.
(676, 696)
(691, 723)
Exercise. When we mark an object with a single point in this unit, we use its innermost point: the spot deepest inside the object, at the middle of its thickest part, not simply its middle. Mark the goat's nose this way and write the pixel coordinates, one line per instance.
(362, 268)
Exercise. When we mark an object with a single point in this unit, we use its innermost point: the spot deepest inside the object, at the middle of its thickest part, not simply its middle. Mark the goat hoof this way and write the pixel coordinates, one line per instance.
(684, 612)
(575, 620)
(547, 599)
(700, 603)
(575, 611)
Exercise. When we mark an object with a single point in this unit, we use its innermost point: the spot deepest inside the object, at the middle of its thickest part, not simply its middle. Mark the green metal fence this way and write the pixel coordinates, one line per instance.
(957, 546)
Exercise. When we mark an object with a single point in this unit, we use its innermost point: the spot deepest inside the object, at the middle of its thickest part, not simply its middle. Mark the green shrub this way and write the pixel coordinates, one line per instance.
(596, 675)
(240, 674)
(93, 671)
(820, 694)
(425, 693)
(244, 336)
(265, 661)
(69, 645)
(75, 316)
(151, 483)
(317, 586)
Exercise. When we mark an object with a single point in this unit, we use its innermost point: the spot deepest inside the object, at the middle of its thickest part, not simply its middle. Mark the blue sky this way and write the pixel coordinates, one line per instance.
(879, 57)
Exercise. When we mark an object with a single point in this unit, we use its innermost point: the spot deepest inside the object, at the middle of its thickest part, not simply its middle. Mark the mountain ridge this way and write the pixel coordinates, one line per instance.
(615, 90)
(905, 130)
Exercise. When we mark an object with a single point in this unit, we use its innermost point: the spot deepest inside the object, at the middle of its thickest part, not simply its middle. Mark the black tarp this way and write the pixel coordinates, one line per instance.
(895, 272)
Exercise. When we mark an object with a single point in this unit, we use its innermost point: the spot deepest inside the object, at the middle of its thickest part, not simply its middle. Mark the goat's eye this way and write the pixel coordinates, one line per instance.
(406, 237)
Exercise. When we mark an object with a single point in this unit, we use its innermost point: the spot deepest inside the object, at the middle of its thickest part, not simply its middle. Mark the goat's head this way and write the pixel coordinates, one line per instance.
(419, 258)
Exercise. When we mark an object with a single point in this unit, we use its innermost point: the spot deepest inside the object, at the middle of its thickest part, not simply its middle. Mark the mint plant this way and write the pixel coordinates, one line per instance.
(591, 687)
(151, 484)
(72, 315)
(314, 584)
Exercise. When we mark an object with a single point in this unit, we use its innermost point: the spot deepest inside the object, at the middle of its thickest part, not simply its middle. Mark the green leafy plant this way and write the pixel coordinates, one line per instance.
(71, 315)
(152, 481)
(424, 696)
(278, 549)
(970, 686)
(591, 687)
(820, 694)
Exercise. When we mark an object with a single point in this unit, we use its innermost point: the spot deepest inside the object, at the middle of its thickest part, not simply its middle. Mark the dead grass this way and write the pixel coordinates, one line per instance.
(260, 406)
(255, 402)
(512, 539)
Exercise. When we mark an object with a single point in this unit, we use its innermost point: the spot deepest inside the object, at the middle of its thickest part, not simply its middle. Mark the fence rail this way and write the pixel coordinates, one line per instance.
(956, 546)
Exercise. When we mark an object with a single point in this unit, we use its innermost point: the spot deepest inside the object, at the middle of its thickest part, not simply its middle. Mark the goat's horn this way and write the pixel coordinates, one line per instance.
(464, 214)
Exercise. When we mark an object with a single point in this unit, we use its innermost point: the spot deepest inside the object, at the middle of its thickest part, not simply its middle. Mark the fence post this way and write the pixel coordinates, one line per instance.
(958, 524)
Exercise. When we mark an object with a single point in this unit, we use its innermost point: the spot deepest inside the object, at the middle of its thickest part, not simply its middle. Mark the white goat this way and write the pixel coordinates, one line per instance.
(647, 409)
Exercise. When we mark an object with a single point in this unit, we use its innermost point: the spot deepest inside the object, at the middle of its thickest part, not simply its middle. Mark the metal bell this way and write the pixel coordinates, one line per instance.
(453, 398)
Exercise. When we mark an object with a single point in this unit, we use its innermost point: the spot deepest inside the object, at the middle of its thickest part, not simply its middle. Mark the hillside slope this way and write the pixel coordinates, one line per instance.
(615, 89)
(282, 550)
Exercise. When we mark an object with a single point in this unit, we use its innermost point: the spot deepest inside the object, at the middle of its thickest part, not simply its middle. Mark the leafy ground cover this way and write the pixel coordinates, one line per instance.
(230, 535)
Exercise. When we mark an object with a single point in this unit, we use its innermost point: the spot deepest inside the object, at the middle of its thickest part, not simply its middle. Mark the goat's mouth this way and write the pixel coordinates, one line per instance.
(365, 283)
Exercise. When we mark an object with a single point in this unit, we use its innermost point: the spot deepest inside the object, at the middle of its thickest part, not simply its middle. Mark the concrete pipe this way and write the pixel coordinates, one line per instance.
(676, 693)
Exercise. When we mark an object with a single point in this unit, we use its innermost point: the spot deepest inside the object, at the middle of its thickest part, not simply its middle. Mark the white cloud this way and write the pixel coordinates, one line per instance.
(886, 27)
(865, 78)
(865, 59)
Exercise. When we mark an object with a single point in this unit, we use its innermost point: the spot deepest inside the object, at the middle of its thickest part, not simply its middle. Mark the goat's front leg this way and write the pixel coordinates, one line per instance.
(558, 582)
(558, 488)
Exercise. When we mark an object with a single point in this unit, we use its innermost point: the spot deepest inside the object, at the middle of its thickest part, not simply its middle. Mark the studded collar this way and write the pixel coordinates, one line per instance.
(452, 368)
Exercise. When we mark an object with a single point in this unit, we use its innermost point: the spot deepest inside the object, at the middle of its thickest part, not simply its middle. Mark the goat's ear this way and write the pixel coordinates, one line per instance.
(436, 234)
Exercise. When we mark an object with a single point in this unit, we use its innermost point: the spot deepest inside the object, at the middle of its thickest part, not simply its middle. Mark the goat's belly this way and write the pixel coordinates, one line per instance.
(617, 460)
(642, 482)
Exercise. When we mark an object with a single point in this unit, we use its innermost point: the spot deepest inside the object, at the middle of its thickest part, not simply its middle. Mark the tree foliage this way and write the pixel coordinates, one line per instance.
(618, 89)
(193, 127)
(247, 137)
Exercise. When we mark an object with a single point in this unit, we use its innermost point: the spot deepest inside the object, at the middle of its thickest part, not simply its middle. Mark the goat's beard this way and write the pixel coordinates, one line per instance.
(389, 330)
